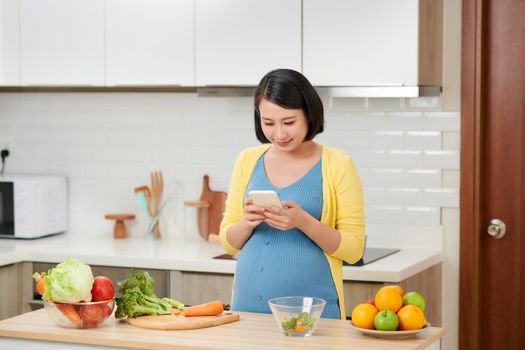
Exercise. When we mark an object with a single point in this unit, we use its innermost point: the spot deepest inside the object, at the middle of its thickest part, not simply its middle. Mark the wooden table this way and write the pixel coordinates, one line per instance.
(253, 331)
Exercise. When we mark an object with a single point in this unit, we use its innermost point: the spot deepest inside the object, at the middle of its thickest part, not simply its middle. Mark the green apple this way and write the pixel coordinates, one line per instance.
(414, 298)
(386, 320)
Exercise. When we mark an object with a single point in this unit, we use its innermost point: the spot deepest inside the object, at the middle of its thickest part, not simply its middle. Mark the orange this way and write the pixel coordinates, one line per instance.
(396, 287)
(363, 316)
(388, 298)
(411, 317)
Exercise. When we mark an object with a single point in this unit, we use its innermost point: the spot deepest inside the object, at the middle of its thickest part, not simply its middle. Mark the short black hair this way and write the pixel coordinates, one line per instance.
(291, 90)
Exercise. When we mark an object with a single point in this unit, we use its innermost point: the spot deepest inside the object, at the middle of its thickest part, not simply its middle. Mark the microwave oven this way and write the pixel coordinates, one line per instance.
(32, 206)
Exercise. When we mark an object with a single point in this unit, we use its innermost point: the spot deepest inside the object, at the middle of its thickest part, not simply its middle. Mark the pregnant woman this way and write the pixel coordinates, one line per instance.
(296, 249)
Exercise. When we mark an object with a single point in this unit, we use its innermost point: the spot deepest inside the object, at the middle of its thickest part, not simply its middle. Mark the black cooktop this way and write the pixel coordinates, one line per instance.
(371, 254)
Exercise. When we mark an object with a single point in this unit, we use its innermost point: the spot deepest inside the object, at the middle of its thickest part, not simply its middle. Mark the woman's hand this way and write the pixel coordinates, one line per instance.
(253, 215)
(285, 219)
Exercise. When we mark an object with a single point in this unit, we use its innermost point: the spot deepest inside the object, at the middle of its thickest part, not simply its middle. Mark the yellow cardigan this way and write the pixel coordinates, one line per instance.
(342, 207)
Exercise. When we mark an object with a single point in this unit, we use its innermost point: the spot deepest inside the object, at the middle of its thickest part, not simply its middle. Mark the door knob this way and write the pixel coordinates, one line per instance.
(496, 228)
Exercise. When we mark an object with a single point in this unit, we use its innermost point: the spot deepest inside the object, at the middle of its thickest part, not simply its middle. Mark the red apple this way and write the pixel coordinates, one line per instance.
(102, 289)
(370, 301)
(92, 314)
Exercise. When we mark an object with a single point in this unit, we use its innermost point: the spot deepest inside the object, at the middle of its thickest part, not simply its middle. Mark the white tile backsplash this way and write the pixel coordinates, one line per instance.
(430, 140)
(423, 103)
(423, 177)
(405, 121)
(406, 150)
(442, 121)
(444, 159)
(420, 215)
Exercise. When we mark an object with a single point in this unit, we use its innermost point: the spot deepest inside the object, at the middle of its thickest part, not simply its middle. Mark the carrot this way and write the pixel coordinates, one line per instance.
(300, 329)
(70, 312)
(41, 286)
(40, 282)
(212, 308)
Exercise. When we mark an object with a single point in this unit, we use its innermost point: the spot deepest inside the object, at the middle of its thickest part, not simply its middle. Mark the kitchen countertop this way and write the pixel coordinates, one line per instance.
(196, 255)
(35, 330)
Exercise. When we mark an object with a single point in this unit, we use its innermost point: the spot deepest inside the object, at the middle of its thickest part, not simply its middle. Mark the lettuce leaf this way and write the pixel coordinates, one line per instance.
(69, 282)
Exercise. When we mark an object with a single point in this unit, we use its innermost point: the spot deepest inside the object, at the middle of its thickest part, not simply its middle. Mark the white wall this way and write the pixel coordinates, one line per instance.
(108, 143)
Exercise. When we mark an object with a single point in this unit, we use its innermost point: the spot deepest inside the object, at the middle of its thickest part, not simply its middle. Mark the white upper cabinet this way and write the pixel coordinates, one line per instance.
(62, 42)
(238, 41)
(9, 43)
(372, 42)
(149, 42)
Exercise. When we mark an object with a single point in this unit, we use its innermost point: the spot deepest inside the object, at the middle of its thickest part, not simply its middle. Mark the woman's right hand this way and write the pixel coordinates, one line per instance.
(253, 215)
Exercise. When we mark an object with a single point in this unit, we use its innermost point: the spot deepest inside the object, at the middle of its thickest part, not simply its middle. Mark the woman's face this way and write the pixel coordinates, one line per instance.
(285, 128)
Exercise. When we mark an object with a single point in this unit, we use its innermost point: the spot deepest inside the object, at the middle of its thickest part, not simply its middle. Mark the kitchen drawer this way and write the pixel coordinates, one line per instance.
(196, 288)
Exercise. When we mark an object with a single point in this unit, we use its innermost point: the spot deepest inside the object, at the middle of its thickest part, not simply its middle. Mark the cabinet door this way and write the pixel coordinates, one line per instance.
(356, 42)
(197, 287)
(17, 289)
(238, 41)
(9, 43)
(149, 42)
(62, 42)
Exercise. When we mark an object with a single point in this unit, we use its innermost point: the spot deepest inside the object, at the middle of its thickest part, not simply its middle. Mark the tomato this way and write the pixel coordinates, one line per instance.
(92, 314)
(106, 309)
(102, 289)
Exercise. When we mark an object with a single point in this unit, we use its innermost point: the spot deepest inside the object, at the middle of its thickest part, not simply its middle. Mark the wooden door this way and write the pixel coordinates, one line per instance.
(492, 271)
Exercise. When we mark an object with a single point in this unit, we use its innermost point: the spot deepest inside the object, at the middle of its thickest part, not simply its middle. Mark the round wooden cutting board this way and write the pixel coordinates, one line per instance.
(173, 322)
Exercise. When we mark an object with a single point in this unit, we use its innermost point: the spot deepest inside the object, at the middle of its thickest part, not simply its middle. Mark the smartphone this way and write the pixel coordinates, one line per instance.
(263, 197)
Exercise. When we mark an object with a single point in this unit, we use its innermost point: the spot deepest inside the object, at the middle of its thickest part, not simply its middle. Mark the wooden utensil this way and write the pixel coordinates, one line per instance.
(173, 322)
(119, 230)
(210, 208)
(157, 187)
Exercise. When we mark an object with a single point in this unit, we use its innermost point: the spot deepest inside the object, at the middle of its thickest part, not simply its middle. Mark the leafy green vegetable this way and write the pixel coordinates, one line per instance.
(174, 303)
(69, 282)
(138, 298)
(298, 324)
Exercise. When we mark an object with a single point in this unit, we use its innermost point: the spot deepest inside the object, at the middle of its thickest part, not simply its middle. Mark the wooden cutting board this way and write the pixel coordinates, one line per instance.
(174, 322)
(209, 218)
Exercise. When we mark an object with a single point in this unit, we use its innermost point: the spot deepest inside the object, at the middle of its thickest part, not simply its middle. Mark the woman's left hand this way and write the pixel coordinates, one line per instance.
(285, 219)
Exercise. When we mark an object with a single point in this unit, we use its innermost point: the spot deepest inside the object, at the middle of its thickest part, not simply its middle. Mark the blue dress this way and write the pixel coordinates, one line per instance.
(275, 263)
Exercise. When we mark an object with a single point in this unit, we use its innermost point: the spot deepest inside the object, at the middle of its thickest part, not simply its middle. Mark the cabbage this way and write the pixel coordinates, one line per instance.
(69, 282)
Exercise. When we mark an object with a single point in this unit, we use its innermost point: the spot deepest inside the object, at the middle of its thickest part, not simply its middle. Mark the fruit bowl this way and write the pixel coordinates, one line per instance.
(79, 315)
(297, 316)
(390, 334)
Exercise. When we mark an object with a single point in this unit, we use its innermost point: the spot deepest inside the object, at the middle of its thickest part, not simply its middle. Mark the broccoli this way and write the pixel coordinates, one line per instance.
(174, 303)
(138, 298)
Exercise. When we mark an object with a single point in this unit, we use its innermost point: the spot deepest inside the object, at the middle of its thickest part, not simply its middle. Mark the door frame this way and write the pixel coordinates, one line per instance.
(471, 175)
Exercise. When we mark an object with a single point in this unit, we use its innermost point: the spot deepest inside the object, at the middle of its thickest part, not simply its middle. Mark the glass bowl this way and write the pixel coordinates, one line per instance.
(80, 315)
(297, 316)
